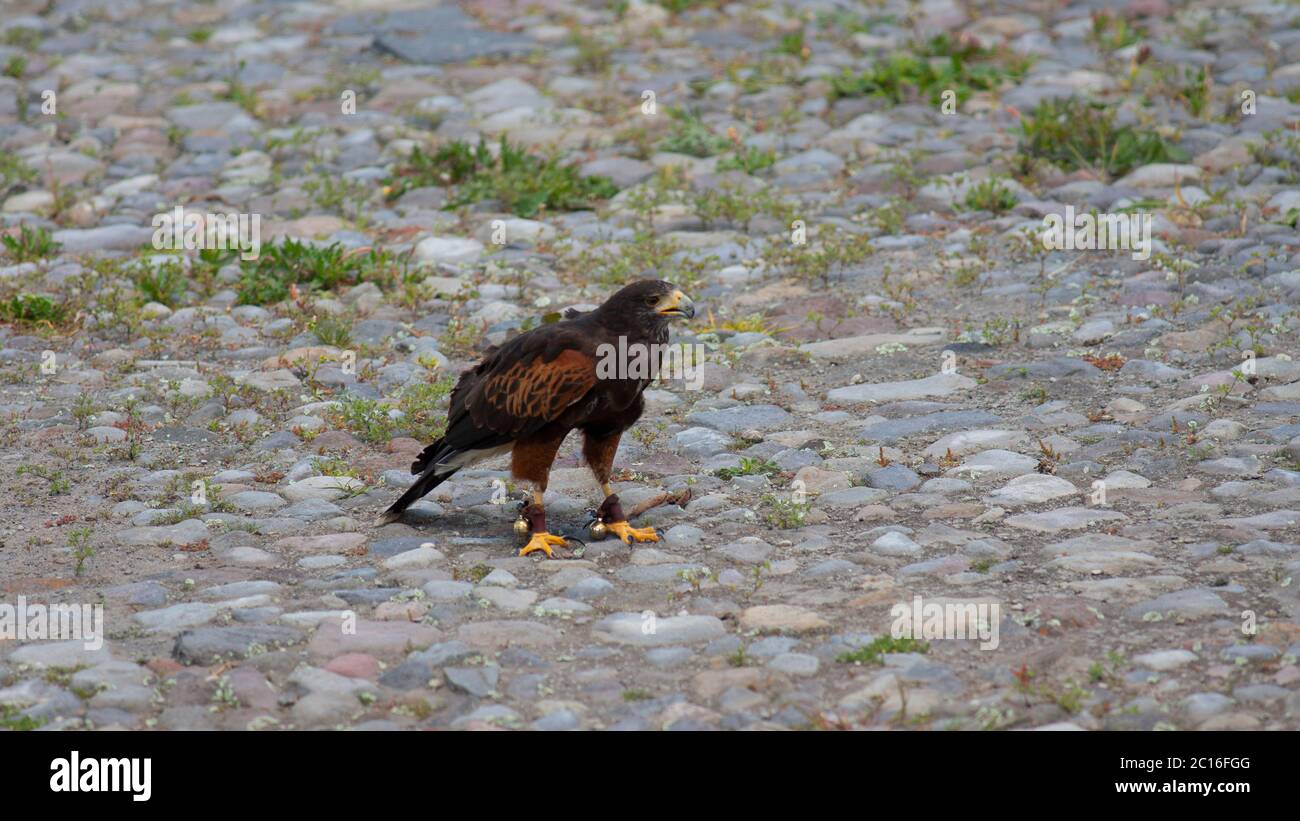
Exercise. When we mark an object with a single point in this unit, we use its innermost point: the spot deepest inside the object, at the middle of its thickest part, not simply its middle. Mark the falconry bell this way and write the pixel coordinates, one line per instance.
(521, 526)
(597, 529)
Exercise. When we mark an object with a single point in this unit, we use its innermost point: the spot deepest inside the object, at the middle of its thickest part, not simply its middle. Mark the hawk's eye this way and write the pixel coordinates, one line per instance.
(652, 301)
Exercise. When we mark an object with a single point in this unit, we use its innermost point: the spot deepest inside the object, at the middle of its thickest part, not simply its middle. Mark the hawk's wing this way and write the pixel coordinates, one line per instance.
(526, 383)
(518, 396)
(519, 387)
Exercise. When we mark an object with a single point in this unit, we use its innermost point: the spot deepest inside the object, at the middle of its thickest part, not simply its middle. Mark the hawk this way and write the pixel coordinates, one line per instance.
(529, 393)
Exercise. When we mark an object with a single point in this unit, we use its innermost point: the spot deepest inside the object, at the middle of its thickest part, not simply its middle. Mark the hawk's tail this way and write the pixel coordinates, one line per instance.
(423, 485)
(439, 462)
(426, 456)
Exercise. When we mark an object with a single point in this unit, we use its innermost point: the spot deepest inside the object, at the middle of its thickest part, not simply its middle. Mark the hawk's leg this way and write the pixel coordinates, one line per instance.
(611, 513)
(531, 462)
(539, 539)
(599, 452)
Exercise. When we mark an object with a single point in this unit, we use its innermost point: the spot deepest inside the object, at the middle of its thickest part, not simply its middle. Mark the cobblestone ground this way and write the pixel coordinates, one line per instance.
(903, 390)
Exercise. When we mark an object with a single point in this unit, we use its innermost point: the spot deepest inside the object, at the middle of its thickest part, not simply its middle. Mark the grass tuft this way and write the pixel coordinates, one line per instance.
(29, 245)
(281, 268)
(524, 184)
(871, 653)
(930, 68)
(1073, 134)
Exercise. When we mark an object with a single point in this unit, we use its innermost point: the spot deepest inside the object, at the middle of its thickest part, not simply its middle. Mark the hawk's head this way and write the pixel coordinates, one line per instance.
(649, 302)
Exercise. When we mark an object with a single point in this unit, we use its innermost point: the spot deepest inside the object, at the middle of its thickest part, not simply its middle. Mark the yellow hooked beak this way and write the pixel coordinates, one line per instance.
(676, 304)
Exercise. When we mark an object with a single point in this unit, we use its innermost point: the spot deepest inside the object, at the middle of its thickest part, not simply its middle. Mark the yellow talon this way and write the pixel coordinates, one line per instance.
(627, 533)
(542, 541)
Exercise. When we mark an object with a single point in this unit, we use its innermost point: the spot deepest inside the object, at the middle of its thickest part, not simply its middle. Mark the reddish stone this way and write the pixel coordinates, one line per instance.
(252, 689)
(355, 665)
(1068, 614)
(52, 432)
(1147, 8)
(401, 444)
(378, 638)
(334, 440)
(164, 666)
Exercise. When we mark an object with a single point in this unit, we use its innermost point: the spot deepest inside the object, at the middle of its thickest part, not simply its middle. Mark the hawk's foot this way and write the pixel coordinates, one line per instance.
(628, 534)
(542, 541)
